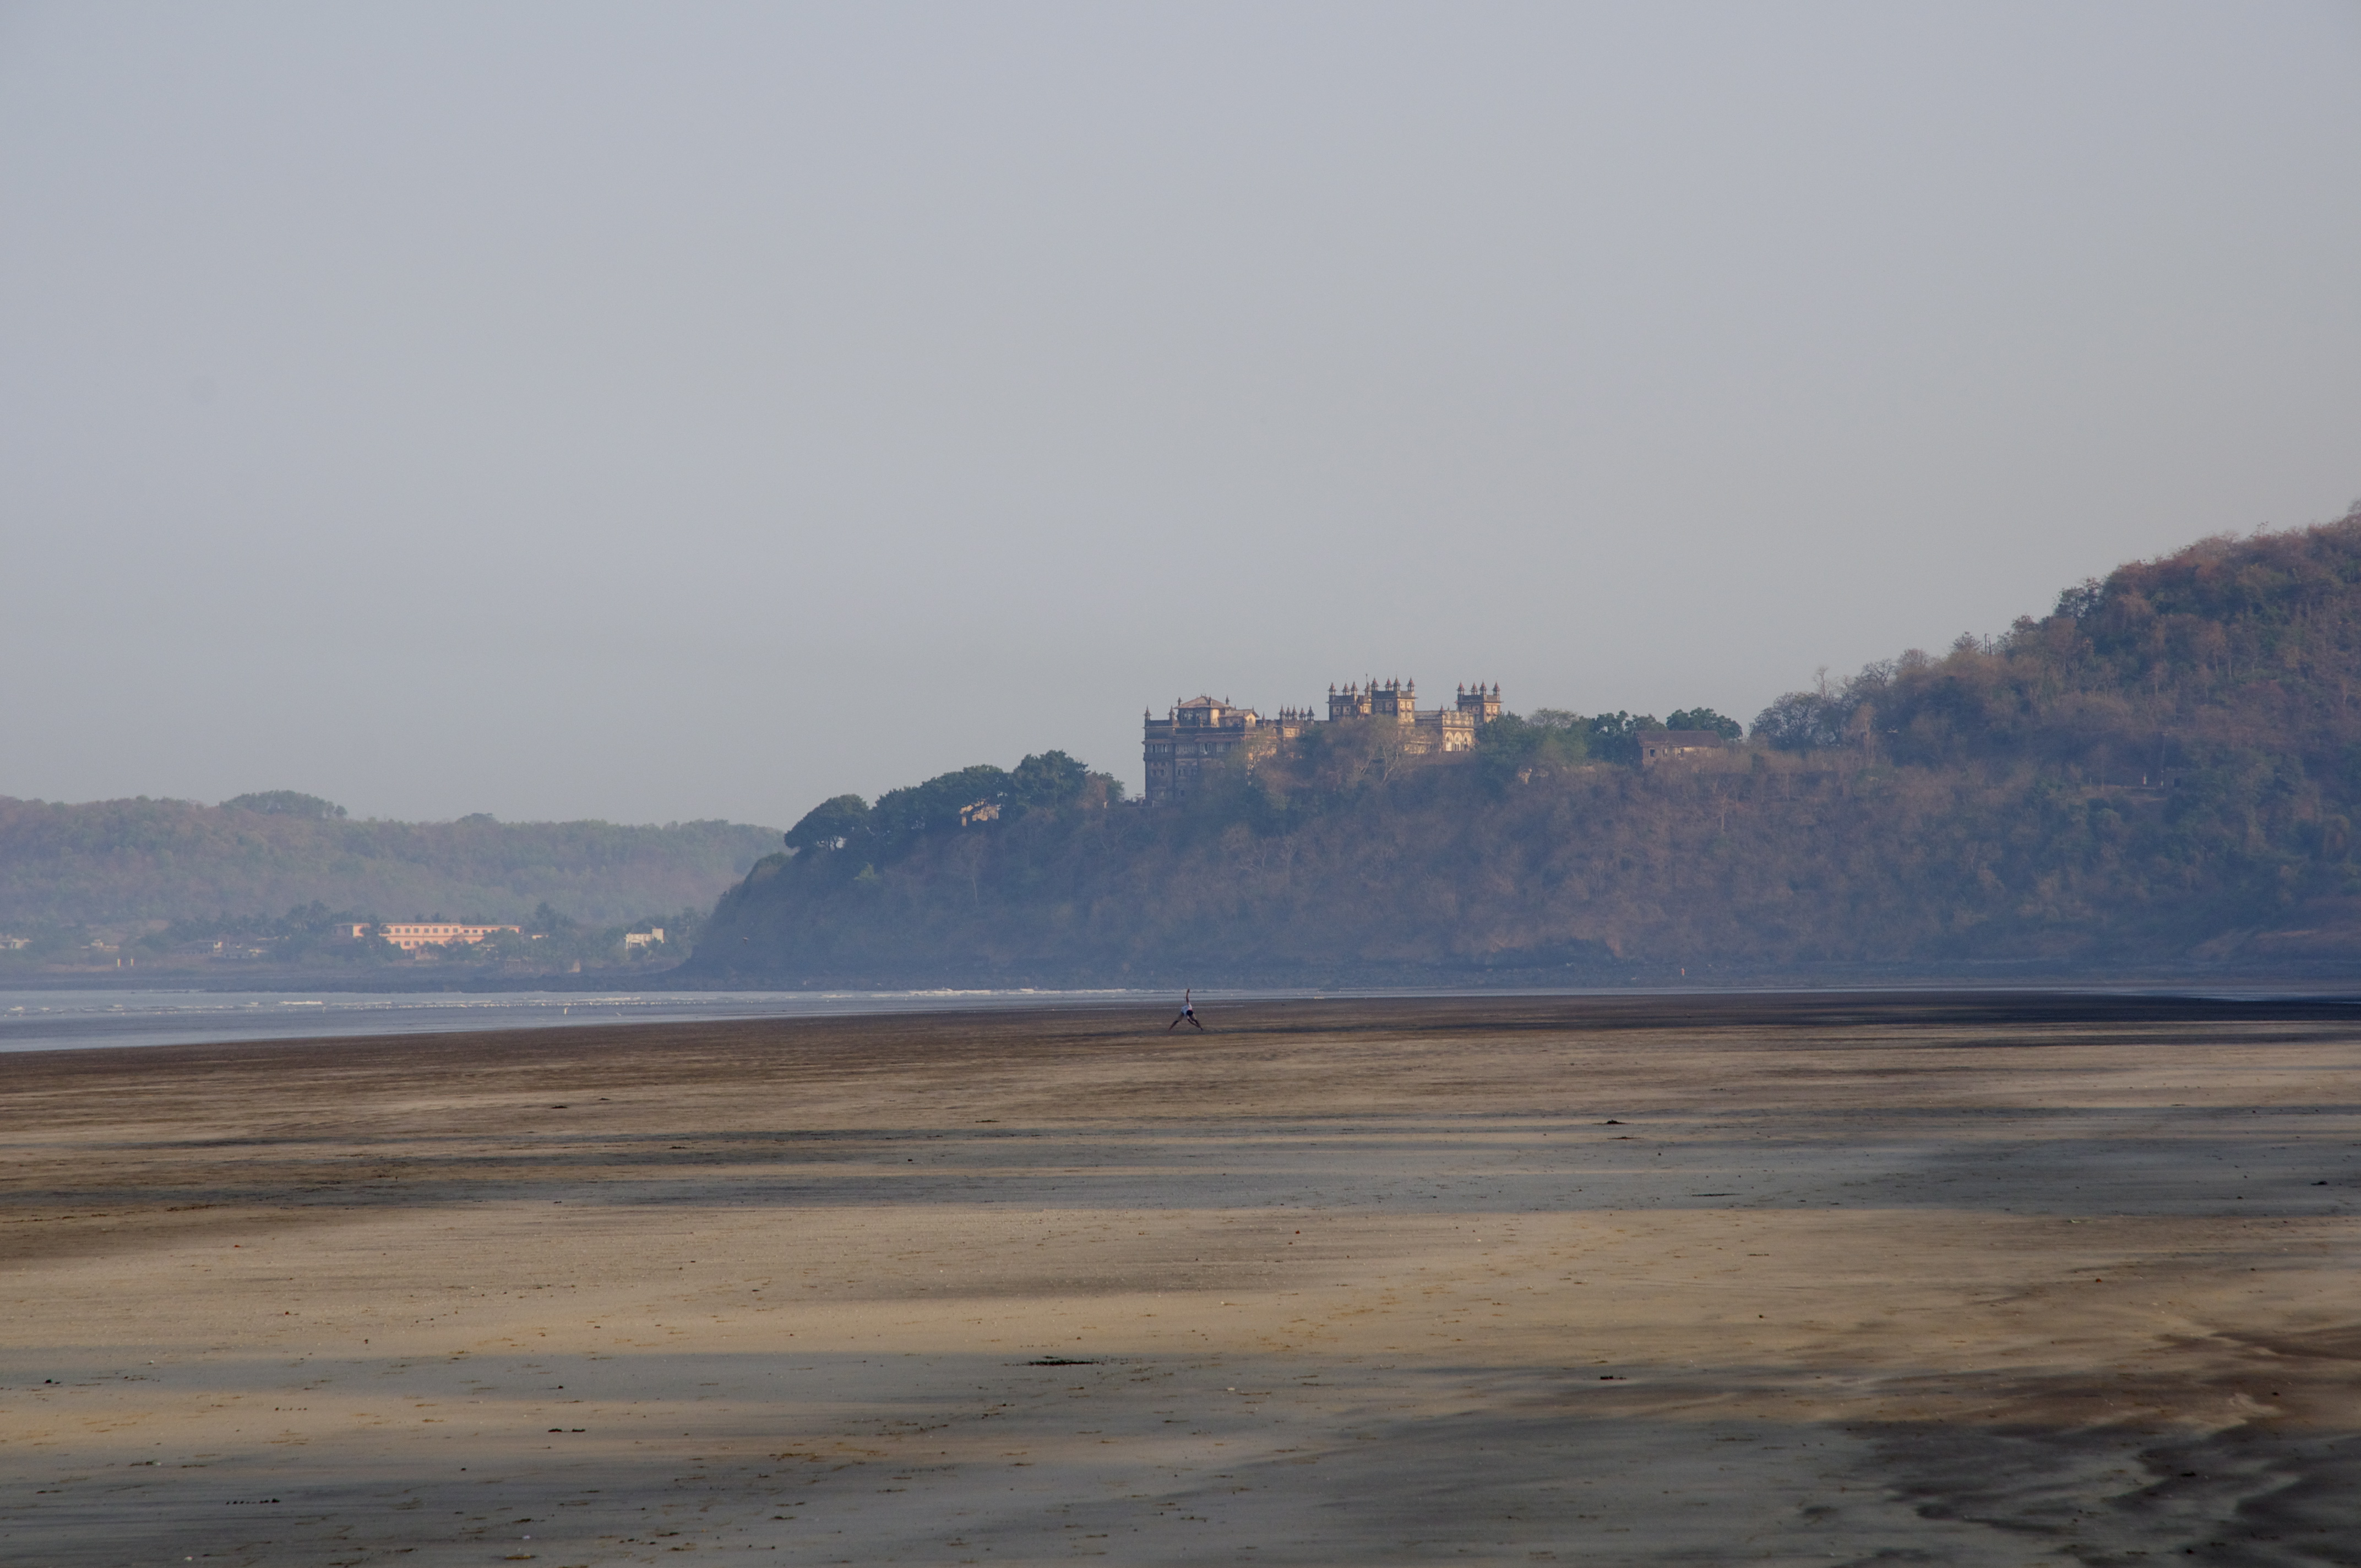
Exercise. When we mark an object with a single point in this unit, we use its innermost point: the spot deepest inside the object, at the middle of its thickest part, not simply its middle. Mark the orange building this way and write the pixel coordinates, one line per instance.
(411, 934)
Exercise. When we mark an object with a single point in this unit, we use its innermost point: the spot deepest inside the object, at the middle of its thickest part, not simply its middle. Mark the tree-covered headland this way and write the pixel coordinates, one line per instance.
(2160, 774)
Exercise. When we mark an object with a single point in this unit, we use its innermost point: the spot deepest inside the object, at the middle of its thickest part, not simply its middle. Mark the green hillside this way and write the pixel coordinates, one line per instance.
(121, 862)
(2163, 771)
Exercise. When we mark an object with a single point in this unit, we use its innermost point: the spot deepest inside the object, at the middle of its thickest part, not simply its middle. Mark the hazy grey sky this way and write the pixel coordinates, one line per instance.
(661, 411)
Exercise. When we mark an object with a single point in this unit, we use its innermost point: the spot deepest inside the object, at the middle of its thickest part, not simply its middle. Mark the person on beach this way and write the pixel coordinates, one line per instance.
(1187, 1011)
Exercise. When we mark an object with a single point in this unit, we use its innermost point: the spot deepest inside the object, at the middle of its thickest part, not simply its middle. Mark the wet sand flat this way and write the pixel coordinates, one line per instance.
(1970, 1279)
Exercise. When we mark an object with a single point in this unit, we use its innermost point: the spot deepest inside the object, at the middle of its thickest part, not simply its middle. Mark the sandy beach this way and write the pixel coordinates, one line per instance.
(1935, 1279)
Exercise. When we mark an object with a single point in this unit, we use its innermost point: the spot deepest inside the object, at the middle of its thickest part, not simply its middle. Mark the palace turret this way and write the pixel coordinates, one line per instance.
(1206, 732)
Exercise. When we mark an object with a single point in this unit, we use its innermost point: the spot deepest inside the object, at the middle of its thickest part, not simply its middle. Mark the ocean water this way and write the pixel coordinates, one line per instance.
(67, 1020)
(64, 1020)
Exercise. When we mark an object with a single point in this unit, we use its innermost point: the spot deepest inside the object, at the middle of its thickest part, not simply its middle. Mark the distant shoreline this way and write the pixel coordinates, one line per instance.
(276, 978)
(2321, 975)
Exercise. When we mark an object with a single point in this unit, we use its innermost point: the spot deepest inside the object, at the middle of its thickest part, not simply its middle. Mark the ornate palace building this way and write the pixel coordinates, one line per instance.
(1205, 732)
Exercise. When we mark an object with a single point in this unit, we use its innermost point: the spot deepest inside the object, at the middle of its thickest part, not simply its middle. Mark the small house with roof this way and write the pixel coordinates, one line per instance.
(1663, 745)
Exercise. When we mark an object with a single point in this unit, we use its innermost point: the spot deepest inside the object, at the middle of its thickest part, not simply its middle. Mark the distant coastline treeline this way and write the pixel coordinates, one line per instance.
(2162, 772)
(263, 866)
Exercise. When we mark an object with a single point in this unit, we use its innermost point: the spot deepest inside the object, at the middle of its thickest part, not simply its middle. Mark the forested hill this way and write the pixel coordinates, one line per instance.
(2162, 773)
(123, 862)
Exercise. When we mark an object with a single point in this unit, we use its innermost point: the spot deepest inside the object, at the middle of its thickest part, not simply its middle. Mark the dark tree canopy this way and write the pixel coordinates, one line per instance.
(830, 825)
(901, 816)
(966, 797)
(1049, 778)
(1704, 718)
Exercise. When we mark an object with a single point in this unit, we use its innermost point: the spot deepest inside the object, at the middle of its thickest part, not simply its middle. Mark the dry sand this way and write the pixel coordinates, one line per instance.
(1996, 1281)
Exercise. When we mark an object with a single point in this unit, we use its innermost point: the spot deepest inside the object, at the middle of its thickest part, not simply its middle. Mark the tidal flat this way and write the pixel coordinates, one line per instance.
(1963, 1278)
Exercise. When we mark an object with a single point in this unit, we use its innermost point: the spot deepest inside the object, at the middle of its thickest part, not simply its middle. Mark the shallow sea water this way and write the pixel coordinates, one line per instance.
(70, 1020)
(64, 1020)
